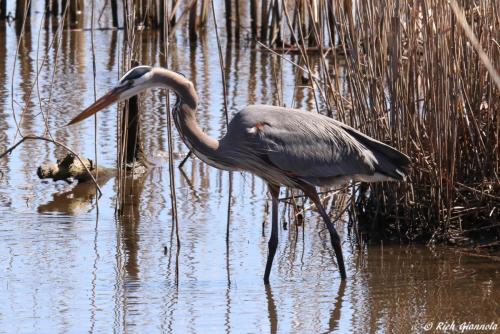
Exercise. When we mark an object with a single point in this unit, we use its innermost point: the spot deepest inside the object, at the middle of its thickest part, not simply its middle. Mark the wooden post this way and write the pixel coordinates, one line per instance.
(163, 19)
(144, 11)
(264, 21)
(131, 131)
(204, 12)
(153, 13)
(114, 13)
(331, 22)
(172, 10)
(47, 13)
(3, 9)
(47, 8)
(192, 21)
(125, 20)
(228, 19)
(144, 15)
(64, 3)
(55, 7)
(23, 8)
(275, 24)
(253, 17)
(74, 19)
(237, 23)
(295, 27)
(313, 22)
(302, 14)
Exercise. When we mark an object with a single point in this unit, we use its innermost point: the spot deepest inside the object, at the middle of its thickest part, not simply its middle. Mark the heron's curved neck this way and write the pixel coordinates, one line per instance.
(185, 116)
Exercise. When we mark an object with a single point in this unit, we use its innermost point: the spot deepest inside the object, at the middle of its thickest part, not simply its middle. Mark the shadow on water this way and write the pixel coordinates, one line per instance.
(63, 269)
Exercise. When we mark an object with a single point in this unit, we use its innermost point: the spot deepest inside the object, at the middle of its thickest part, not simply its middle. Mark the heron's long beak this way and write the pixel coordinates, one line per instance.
(108, 99)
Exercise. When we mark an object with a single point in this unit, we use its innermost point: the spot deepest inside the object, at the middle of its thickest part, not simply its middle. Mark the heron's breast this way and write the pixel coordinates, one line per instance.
(217, 163)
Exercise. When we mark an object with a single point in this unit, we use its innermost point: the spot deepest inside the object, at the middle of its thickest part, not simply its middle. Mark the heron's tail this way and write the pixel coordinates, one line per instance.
(390, 162)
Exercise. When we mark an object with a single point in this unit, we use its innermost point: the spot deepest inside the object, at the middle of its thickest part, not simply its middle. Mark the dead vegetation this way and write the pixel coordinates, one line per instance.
(416, 82)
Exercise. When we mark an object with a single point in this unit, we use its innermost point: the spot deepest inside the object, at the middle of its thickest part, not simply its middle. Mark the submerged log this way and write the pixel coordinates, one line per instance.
(70, 167)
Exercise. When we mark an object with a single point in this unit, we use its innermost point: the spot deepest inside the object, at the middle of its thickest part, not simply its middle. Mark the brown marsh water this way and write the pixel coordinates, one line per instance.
(68, 265)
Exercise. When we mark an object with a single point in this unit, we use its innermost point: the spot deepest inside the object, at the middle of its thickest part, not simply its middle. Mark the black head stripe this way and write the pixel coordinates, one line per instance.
(135, 73)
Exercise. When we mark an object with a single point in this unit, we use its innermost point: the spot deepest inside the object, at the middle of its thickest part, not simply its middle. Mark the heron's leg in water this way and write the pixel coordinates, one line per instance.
(273, 240)
(311, 192)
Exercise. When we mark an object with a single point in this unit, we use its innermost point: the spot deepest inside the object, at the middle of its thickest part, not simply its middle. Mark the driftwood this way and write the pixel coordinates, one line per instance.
(71, 168)
(51, 170)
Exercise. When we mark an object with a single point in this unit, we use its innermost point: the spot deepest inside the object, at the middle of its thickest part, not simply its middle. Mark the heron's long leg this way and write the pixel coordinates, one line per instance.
(334, 236)
(273, 240)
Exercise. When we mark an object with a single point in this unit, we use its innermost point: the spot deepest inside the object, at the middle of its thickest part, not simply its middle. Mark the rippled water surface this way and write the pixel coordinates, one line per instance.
(71, 265)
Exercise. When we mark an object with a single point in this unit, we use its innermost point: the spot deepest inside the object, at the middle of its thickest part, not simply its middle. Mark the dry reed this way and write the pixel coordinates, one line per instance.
(415, 82)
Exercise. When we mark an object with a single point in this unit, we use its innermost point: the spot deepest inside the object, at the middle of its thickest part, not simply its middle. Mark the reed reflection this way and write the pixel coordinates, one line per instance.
(129, 220)
(110, 65)
(3, 90)
(401, 288)
(25, 63)
(252, 80)
(272, 313)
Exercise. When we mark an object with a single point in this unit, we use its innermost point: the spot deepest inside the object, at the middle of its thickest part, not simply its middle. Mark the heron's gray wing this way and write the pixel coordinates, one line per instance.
(302, 144)
(309, 146)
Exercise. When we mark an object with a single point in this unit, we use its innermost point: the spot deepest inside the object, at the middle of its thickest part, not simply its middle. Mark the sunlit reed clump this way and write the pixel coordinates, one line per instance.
(415, 81)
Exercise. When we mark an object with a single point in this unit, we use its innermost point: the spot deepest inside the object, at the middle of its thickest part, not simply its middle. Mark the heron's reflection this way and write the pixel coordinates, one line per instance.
(190, 184)
(333, 324)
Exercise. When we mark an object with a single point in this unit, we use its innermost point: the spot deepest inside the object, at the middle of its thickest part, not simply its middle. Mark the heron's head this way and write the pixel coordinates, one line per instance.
(132, 83)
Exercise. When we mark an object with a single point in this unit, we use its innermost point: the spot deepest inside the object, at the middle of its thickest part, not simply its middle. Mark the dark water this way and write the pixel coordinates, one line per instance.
(69, 265)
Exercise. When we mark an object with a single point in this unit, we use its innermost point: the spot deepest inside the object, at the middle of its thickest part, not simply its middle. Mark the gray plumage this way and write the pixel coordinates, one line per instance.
(283, 146)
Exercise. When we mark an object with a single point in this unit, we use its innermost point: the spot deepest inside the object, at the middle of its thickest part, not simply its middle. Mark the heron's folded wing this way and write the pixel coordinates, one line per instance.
(307, 144)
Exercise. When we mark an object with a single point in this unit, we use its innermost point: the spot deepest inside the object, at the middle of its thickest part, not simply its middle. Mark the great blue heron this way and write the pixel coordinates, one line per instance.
(282, 146)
